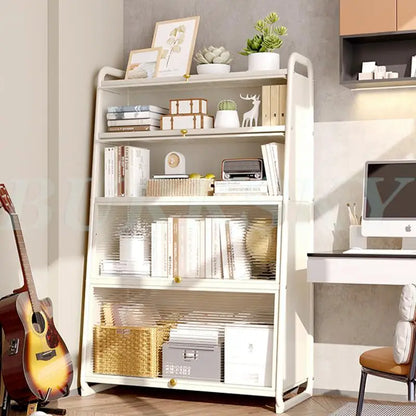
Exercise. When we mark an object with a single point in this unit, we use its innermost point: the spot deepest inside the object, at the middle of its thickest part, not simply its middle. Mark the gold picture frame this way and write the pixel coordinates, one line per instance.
(143, 63)
(177, 40)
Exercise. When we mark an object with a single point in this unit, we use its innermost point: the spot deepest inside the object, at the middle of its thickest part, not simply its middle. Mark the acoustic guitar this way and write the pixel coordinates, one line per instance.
(36, 364)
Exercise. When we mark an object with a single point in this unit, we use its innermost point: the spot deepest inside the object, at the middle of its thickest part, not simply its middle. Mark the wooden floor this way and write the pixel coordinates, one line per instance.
(129, 401)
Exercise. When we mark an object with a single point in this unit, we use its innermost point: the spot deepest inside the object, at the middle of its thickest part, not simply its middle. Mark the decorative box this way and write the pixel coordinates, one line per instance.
(183, 121)
(188, 106)
(191, 361)
(248, 354)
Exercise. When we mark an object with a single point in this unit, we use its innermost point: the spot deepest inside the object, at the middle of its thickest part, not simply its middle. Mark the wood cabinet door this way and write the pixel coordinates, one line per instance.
(367, 16)
(406, 15)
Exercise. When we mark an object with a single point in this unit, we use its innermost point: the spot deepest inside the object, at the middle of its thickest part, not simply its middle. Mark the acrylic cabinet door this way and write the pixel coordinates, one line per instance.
(367, 16)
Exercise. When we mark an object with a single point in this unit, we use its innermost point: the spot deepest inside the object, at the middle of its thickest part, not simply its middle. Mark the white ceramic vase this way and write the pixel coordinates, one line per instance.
(213, 68)
(263, 61)
(226, 119)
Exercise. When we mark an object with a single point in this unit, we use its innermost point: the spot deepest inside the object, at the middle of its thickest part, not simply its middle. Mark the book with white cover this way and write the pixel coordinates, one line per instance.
(110, 185)
(124, 267)
(224, 248)
(216, 259)
(133, 115)
(267, 169)
(136, 108)
(229, 187)
(277, 151)
(137, 170)
(134, 122)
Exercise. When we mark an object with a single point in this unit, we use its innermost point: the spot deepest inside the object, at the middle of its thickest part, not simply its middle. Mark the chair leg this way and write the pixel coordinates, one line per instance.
(411, 390)
(360, 400)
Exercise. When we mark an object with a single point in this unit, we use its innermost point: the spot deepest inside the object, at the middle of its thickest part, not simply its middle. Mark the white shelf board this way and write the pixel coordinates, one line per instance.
(211, 285)
(275, 132)
(242, 200)
(182, 384)
(245, 78)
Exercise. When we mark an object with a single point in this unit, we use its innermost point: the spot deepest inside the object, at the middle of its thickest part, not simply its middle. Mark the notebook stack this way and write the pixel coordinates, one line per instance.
(134, 117)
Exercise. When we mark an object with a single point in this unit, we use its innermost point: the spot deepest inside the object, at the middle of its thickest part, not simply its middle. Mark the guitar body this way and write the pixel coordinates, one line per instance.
(36, 364)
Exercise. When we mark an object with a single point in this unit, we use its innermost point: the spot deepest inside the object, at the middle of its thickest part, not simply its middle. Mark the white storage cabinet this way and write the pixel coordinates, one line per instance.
(277, 295)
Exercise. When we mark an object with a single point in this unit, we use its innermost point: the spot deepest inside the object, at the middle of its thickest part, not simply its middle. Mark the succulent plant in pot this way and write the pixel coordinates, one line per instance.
(261, 48)
(213, 60)
(227, 115)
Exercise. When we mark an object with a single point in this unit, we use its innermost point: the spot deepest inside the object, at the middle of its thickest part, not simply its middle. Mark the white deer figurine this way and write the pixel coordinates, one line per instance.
(252, 114)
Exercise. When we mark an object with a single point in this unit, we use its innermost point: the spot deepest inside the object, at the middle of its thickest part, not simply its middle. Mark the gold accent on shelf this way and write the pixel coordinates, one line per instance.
(172, 382)
(184, 132)
(186, 76)
(177, 279)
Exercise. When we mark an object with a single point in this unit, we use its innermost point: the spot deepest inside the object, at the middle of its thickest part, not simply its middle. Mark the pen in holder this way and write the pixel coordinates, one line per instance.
(356, 238)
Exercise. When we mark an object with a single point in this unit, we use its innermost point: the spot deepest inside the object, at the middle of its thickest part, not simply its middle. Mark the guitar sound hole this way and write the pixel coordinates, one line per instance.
(38, 322)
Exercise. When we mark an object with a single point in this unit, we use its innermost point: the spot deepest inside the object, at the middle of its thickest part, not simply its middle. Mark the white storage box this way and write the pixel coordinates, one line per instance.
(191, 121)
(188, 106)
(248, 354)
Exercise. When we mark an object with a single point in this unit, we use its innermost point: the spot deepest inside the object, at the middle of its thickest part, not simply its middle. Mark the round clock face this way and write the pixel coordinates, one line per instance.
(173, 160)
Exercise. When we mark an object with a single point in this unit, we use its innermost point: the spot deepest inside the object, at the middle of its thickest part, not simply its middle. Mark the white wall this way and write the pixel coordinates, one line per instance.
(51, 52)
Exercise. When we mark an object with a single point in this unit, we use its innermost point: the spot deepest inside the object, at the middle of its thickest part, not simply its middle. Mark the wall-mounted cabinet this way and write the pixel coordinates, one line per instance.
(383, 31)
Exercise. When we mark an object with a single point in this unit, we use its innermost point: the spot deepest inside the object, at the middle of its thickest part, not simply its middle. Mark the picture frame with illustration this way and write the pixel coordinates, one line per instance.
(143, 63)
(177, 40)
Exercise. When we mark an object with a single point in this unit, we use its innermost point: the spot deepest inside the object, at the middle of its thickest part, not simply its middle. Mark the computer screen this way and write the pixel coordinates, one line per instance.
(389, 203)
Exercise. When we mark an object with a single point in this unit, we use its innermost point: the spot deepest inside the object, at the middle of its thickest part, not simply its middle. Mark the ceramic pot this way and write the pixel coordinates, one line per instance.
(213, 68)
(263, 61)
(226, 119)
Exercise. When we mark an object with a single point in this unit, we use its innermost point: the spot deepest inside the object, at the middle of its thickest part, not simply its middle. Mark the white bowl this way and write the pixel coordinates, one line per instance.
(213, 68)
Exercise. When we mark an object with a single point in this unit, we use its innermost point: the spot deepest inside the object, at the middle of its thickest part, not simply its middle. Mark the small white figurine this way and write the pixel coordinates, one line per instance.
(252, 114)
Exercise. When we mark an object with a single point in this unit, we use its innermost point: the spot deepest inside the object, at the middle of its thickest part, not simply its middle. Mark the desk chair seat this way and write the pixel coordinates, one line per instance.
(380, 362)
(381, 359)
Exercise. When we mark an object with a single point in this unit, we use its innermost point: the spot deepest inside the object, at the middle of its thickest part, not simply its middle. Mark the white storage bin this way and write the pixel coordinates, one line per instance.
(248, 354)
(188, 106)
(191, 121)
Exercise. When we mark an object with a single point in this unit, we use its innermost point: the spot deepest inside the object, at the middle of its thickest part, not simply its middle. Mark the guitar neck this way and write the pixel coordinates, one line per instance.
(24, 262)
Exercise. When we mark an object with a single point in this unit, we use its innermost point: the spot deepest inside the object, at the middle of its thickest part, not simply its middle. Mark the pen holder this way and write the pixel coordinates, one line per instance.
(356, 238)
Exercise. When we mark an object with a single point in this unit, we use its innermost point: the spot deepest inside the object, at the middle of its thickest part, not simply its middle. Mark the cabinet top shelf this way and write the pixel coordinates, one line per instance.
(245, 78)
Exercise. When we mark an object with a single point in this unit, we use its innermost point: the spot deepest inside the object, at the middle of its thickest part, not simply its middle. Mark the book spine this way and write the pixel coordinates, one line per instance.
(265, 105)
(216, 249)
(208, 247)
(169, 240)
(267, 168)
(282, 104)
(137, 108)
(115, 129)
(133, 122)
(155, 253)
(274, 105)
(175, 247)
(224, 249)
(109, 180)
(129, 115)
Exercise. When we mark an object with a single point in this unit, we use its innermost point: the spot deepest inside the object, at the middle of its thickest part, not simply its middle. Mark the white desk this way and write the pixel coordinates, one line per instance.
(361, 269)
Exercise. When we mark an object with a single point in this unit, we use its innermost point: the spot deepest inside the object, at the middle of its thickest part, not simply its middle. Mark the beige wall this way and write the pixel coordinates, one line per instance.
(47, 83)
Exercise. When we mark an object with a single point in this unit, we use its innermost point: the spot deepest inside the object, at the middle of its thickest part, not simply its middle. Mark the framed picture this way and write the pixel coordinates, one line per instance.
(143, 63)
(177, 40)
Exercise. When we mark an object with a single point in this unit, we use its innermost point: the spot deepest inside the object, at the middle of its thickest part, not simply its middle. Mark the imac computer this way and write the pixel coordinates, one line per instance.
(389, 201)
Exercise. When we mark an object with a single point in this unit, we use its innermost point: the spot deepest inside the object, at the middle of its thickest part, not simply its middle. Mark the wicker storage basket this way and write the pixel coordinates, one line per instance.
(129, 351)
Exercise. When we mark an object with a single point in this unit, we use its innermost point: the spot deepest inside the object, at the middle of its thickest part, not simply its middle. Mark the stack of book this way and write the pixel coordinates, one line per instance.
(134, 117)
(126, 171)
(195, 247)
(273, 157)
(244, 187)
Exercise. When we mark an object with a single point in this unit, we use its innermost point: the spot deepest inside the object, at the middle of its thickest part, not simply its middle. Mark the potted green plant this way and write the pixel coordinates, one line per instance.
(213, 60)
(227, 115)
(260, 49)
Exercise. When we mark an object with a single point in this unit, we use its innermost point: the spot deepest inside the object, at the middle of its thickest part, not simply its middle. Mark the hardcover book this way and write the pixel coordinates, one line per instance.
(133, 115)
(135, 108)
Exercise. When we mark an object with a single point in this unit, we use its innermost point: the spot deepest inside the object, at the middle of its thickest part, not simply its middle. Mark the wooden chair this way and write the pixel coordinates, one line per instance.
(379, 362)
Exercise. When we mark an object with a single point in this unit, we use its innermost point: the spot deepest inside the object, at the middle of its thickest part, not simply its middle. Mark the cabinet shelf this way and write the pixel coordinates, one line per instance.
(391, 49)
(175, 136)
(264, 239)
(235, 79)
(191, 200)
(212, 285)
(194, 385)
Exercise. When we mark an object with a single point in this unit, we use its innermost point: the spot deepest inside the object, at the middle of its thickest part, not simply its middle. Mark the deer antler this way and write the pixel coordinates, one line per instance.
(246, 97)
